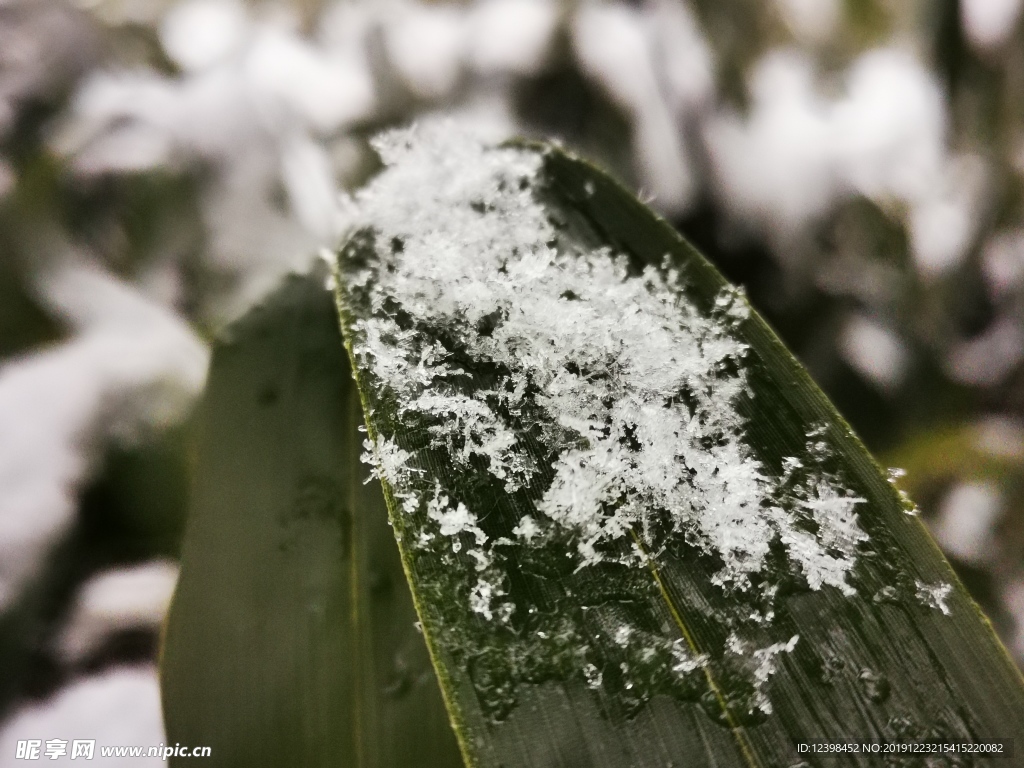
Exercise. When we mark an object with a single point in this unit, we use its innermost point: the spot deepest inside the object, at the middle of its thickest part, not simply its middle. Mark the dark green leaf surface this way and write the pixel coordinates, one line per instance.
(291, 639)
(551, 686)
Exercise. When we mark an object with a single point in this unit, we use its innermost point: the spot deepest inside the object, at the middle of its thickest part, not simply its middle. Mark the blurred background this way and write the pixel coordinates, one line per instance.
(856, 165)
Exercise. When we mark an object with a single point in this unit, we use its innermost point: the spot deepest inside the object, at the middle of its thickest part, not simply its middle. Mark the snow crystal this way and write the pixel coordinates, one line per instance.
(527, 529)
(935, 595)
(387, 460)
(909, 507)
(763, 663)
(480, 599)
(624, 381)
(391, 463)
(454, 521)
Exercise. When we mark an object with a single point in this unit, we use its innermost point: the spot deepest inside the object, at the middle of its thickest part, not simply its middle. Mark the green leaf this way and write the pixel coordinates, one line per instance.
(637, 534)
(291, 639)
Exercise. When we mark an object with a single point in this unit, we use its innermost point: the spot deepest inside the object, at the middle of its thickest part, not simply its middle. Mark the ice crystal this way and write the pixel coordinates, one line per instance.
(625, 382)
(895, 474)
(935, 595)
(762, 663)
(387, 460)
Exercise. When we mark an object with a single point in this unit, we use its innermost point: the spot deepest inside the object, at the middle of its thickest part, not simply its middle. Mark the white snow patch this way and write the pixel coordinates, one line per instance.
(1000, 436)
(309, 180)
(387, 461)
(288, 76)
(988, 359)
(131, 366)
(121, 706)
(114, 601)
(943, 222)
(481, 598)
(875, 351)
(838, 532)
(197, 34)
(1002, 262)
(454, 521)
(252, 106)
(427, 44)
(777, 167)
(511, 36)
(812, 21)
(965, 526)
(797, 153)
(682, 56)
(935, 595)
(990, 23)
(619, 47)
(527, 529)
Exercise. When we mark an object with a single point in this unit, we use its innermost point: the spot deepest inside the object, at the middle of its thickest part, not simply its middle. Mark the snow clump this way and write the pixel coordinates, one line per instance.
(613, 370)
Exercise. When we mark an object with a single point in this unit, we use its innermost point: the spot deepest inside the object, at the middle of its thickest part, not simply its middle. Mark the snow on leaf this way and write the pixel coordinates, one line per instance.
(935, 595)
(762, 663)
(631, 388)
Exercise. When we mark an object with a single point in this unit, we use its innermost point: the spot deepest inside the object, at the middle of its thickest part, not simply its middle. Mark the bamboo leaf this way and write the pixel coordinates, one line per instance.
(291, 639)
(637, 534)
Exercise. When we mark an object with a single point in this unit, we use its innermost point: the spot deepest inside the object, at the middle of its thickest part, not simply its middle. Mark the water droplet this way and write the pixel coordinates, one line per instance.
(875, 685)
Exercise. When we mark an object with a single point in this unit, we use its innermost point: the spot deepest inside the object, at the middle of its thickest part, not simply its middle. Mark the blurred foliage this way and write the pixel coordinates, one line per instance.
(306, 652)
